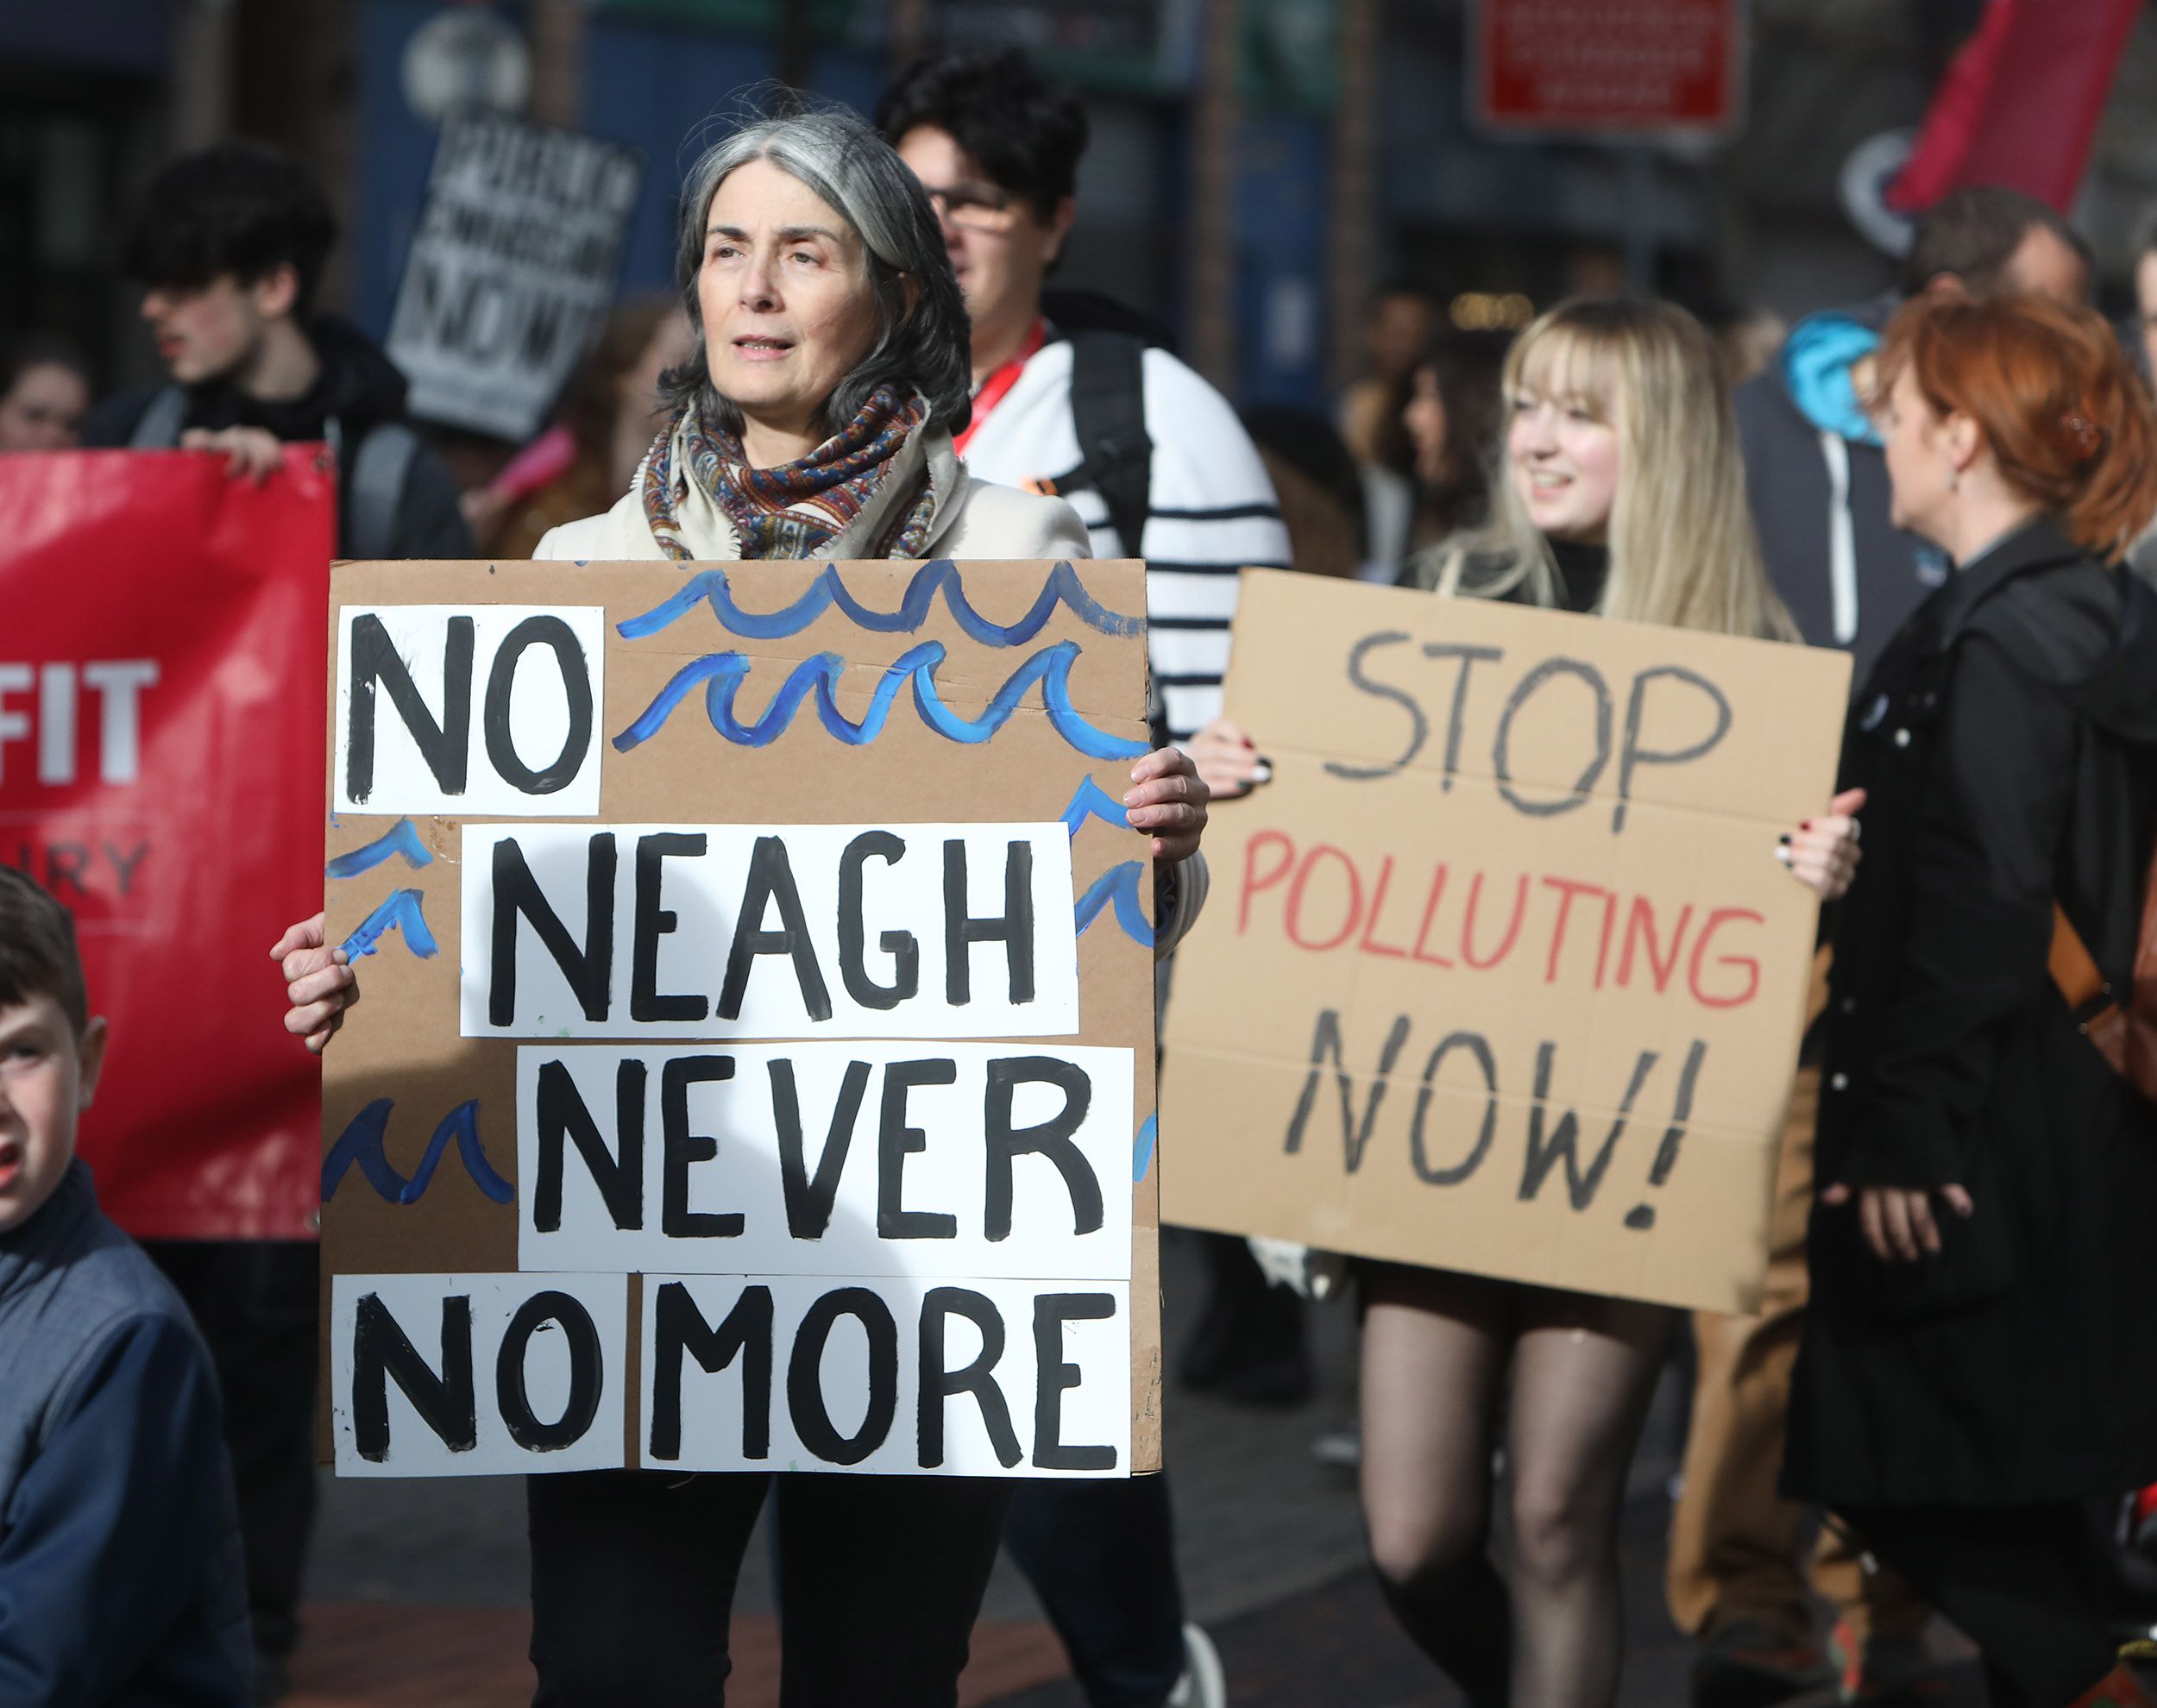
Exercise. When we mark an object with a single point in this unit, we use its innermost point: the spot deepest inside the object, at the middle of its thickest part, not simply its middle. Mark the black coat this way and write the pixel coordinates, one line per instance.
(2004, 739)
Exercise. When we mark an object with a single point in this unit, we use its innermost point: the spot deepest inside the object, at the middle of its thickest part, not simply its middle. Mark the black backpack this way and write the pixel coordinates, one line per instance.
(1109, 343)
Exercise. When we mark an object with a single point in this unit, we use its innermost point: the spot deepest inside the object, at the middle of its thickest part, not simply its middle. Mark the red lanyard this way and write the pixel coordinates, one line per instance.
(1000, 382)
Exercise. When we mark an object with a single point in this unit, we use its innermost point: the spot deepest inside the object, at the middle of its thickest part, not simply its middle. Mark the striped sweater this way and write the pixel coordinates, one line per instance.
(1213, 510)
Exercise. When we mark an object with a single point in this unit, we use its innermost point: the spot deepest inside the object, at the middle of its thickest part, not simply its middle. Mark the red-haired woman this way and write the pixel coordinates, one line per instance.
(1981, 1356)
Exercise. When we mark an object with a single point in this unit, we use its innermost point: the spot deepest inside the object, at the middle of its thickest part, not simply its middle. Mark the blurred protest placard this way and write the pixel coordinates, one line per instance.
(512, 270)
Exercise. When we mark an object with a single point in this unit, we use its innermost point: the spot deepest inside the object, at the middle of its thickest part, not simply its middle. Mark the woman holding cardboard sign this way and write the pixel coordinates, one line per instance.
(1980, 1359)
(1621, 493)
(815, 420)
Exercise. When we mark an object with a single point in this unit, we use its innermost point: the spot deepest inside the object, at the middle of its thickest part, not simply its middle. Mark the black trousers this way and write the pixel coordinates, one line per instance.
(1102, 1557)
(2027, 1584)
(634, 1576)
(255, 1300)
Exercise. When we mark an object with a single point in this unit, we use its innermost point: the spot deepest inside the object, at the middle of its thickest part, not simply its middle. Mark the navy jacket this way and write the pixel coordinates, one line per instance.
(121, 1579)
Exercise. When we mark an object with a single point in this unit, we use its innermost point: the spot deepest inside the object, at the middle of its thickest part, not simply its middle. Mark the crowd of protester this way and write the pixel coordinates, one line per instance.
(1950, 1366)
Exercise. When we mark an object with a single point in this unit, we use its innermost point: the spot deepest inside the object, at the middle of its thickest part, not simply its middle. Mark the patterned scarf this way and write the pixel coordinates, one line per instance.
(798, 508)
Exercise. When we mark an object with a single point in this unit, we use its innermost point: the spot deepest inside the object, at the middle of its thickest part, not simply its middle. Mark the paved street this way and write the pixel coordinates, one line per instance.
(418, 1588)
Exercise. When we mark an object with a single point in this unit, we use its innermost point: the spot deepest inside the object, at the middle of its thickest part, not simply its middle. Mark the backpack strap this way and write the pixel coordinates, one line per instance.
(375, 488)
(1108, 412)
(160, 423)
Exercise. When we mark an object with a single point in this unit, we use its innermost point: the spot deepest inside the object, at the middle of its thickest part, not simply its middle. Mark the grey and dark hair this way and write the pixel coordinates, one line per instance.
(862, 178)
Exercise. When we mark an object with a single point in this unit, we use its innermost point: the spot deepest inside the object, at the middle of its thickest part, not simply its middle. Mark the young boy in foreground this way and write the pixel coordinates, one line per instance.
(121, 1580)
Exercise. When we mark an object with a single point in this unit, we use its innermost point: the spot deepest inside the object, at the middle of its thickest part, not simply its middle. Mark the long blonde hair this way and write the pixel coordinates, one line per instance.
(1682, 548)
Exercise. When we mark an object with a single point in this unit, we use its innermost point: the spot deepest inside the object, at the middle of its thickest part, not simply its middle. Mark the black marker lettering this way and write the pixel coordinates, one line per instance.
(804, 1377)
(654, 922)
(1501, 753)
(588, 1373)
(1013, 929)
(1470, 657)
(896, 1141)
(381, 1350)
(1418, 726)
(1055, 1376)
(679, 1328)
(1564, 1142)
(977, 1379)
(1633, 754)
(559, 772)
(1326, 1040)
(900, 946)
(589, 970)
(445, 746)
(680, 1149)
(1477, 1046)
(560, 1110)
(772, 879)
(1051, 1138)
(810, 1197)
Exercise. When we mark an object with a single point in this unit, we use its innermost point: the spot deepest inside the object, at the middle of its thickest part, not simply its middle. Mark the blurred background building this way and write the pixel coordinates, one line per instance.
(1281, 157)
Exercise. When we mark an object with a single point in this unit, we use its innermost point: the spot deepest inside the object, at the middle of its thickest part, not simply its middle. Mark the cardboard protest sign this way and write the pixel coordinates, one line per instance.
(511, 270)
(1501, 972)
(754, 1066)
(163, 622)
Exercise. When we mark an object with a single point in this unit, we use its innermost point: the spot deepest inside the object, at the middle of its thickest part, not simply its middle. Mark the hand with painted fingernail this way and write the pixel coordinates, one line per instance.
(1822, 853)
(1228, 761)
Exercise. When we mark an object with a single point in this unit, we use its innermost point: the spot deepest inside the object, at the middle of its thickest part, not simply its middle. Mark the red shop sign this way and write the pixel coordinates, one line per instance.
(1609, 67)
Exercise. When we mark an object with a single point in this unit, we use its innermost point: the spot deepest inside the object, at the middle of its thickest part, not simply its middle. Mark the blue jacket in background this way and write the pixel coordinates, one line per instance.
(1817, 480)
(122, 1584)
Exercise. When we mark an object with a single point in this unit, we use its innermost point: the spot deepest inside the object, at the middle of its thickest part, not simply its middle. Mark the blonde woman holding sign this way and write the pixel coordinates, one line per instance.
(1621, 493)
(815, 420)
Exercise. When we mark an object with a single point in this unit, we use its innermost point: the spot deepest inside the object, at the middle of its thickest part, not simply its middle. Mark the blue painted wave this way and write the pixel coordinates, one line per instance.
(711, 588)
(1142, 1150)
(404, 840)
(722, 674)
(1093, 801)
(1119, 885)
(404, 912)
(361, 1146)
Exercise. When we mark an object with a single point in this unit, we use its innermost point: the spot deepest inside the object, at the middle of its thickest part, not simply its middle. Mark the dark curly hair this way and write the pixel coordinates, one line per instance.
(1027, 131)
(239, 209)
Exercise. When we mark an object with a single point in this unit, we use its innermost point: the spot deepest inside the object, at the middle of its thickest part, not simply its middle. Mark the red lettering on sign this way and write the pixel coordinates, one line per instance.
(1430, 913)
(1639, 926)
(1378, 906)
(1567, 889)
(1512, 930)
(1295, 899)
(1252, 884)
(1700, 950)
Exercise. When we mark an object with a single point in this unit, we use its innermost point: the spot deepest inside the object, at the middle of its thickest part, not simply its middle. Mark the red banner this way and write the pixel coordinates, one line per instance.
(161, 773)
